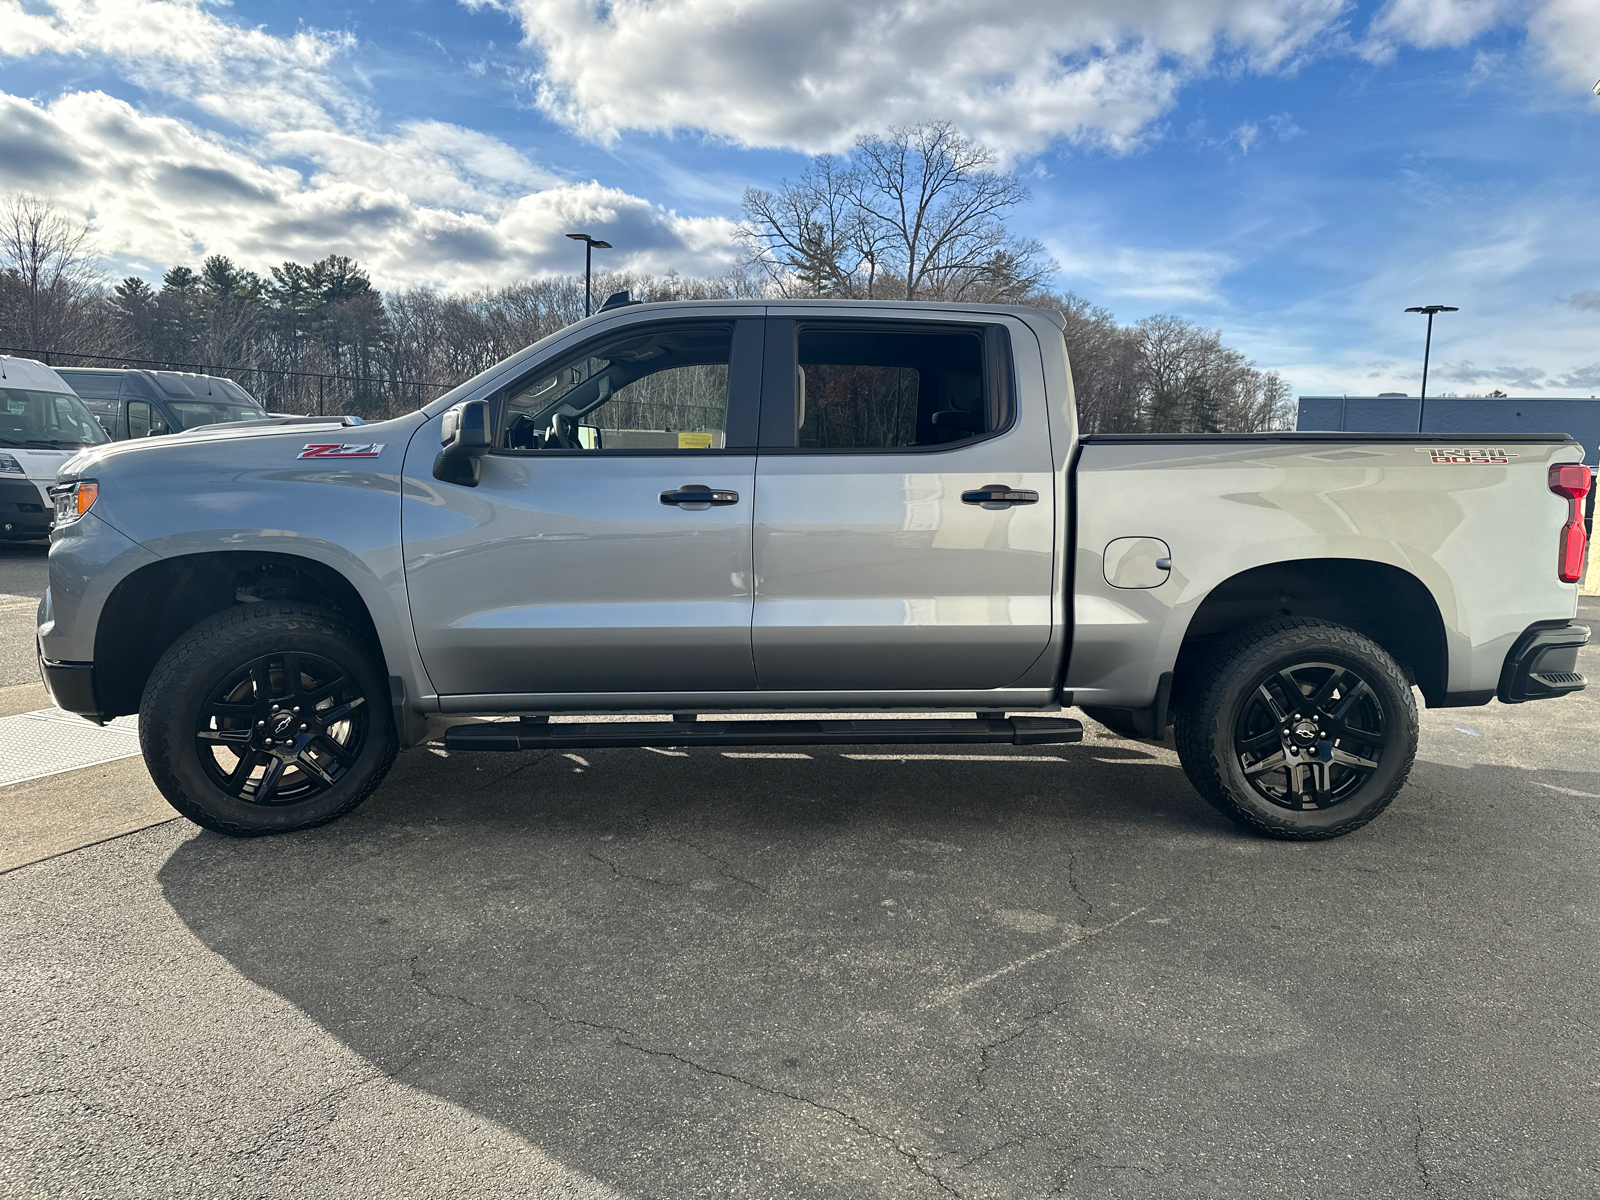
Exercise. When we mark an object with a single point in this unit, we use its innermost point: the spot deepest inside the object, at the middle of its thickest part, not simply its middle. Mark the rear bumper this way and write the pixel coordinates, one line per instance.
(71, 686)
(1543, 663)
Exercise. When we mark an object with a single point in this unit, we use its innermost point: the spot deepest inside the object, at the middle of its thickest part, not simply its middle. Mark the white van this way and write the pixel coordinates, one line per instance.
(42, 424)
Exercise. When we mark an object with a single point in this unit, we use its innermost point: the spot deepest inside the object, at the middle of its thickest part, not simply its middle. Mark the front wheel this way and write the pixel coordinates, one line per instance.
(1300, 729)
(266, 719)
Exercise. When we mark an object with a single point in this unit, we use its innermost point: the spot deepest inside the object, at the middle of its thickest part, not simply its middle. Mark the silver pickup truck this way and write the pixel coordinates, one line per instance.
(691, 509)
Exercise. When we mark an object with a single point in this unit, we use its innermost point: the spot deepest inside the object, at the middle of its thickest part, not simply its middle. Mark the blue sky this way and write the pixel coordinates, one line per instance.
(1293, 172)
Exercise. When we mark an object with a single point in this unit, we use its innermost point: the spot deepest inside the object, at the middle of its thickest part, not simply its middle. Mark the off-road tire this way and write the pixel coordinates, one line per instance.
(1209, 718)
(200, 659)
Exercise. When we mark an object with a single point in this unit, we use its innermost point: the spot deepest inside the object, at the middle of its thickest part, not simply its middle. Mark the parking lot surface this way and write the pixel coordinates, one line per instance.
(993, 972)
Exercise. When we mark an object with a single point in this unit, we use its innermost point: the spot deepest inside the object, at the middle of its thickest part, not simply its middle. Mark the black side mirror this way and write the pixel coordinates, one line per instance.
(464, 438)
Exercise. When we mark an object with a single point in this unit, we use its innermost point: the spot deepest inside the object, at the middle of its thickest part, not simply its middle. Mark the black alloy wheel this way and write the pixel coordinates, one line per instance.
(282, 728)
(1310, 736)
(267, 718)
(1297, 728)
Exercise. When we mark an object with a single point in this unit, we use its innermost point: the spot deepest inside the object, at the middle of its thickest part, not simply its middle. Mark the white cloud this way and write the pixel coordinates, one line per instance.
(179, 47)
(813, 76)
(429, 202)
(159, 191)
(1563, 35)
(1433, 23)
(1155, 277)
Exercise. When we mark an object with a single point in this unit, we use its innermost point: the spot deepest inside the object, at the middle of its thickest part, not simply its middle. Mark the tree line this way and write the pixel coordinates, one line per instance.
(918, 214)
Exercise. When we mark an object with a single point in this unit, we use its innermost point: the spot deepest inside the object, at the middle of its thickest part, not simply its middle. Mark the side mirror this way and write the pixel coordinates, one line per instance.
(464, 438)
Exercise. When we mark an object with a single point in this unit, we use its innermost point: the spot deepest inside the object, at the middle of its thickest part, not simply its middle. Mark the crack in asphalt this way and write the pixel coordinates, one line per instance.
(987, 1151)
(555, 1018)
(420, 979)
(1072, 882)
(29, 1095)
(727, 867)
(621, 874)
(1098, 1163)
(1416, 1147)
(887, 1139)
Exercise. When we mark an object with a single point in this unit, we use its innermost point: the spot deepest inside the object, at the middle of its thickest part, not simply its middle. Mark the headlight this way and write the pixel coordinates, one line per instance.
(9, 463)
(74, 499)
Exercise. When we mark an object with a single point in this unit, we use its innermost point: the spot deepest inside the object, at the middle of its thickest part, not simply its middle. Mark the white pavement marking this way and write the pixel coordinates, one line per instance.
(1568, 791)
(49, 741)
(1009, 758)
(949, 995)
(741, 754)
(10, 603)
(667, 753)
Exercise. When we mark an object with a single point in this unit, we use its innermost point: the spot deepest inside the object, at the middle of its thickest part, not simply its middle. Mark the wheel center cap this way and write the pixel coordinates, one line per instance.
(282, 723)
(1306, 732)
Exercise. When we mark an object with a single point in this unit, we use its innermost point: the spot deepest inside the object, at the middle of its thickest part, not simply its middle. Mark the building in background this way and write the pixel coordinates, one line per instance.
(1457, 416)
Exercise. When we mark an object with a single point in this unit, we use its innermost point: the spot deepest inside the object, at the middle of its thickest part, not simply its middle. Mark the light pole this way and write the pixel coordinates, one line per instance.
(590, 245)
(1427, 348)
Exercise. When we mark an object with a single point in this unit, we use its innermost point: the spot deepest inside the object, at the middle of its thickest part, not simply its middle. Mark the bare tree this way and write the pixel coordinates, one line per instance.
(809, 237)
(940, 209)
(47, 262)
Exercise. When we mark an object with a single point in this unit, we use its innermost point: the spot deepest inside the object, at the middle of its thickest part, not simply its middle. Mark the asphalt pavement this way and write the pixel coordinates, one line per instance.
(24, 574)
(992, 972)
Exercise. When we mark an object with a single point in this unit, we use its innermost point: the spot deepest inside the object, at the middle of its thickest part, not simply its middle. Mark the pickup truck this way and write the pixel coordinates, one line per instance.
(775, 508)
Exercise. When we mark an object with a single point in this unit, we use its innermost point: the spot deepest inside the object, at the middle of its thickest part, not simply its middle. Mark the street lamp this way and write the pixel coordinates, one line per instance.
(590, 245)
(1427, 348)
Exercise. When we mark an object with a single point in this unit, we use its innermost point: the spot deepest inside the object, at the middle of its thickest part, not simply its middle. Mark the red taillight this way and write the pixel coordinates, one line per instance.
(1572, 545)
(1571, 480)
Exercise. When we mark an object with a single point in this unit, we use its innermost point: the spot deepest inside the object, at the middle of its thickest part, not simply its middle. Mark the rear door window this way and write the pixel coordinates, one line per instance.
(881, 387)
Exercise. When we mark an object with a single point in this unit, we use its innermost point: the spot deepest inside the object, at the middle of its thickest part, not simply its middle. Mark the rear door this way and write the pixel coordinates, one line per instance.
(905, 523)
(607, 546)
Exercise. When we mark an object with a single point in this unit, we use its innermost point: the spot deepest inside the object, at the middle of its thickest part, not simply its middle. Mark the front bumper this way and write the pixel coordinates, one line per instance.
(1543, 663)
(22, 513)
(71, 686)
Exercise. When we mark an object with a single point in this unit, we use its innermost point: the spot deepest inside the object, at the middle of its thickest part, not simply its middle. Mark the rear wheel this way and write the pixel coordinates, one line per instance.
(1299, 729)
(266, 719)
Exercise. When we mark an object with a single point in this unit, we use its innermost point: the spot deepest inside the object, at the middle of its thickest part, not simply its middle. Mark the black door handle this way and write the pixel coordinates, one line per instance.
(996, 493)
(697, 496)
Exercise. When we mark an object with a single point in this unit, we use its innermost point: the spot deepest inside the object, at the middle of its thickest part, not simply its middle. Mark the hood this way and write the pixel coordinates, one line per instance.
(247, 444)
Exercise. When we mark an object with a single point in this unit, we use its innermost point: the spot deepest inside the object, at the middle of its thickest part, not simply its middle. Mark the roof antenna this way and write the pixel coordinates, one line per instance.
(618, 300)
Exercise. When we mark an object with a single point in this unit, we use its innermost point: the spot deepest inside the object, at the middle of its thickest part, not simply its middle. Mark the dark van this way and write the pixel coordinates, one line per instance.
(133, 404)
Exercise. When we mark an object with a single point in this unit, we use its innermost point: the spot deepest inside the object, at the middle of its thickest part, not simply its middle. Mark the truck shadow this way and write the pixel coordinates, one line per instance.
(677, 973)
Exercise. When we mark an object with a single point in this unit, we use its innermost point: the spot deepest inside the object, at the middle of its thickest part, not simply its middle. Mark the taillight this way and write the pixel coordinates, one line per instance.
(1571, 480)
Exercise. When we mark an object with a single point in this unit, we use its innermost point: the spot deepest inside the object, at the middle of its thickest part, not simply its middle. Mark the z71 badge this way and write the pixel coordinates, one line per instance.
(346, 450)
(1467, 456)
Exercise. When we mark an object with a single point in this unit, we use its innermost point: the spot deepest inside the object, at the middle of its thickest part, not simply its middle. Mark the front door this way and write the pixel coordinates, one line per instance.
(586, 561)
(905, 523)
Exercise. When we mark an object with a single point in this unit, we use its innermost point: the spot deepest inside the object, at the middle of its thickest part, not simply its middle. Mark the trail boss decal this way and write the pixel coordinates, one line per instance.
(345, 450)
(1467, 456)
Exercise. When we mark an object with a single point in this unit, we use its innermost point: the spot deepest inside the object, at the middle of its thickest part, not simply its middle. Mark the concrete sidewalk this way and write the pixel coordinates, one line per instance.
(68, 810)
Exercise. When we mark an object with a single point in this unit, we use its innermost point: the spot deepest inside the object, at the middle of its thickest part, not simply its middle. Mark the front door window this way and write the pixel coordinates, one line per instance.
(661, 389)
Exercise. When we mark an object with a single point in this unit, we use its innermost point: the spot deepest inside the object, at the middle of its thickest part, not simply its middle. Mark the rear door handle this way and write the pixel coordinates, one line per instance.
(696, 497)
(996, 493)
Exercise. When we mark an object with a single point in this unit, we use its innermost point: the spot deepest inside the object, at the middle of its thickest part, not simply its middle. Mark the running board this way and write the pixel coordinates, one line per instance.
(529, 735)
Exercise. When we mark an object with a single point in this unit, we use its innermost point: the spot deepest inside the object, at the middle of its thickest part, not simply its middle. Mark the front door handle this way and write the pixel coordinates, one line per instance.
(697, 497)
(998, 494)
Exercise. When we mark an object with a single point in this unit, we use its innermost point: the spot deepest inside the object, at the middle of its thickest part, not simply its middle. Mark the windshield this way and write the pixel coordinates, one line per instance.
(46, 421)
(191, 413)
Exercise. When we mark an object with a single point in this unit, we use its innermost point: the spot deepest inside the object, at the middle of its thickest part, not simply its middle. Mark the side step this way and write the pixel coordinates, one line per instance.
(530, 735)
